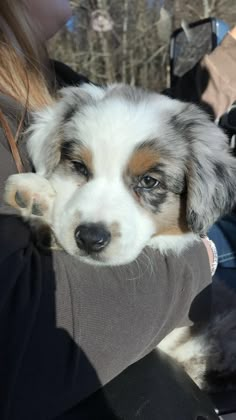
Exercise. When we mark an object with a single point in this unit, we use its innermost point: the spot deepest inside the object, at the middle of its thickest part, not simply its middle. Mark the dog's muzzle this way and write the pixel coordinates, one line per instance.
(92, 237)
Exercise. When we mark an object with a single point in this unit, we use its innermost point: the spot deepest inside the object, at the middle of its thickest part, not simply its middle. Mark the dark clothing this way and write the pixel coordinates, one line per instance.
(154, 388)
(67, 328)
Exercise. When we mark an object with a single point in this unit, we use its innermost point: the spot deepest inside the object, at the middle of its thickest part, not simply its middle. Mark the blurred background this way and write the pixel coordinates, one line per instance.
(128, 40)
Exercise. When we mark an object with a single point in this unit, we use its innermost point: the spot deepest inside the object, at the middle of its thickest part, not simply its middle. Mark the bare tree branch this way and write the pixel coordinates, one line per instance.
(135, 49)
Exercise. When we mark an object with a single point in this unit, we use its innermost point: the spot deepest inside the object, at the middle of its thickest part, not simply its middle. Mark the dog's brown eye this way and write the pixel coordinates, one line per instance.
(81, 168)
(148, 182)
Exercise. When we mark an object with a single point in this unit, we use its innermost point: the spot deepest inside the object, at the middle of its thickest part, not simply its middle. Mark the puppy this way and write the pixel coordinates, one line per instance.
(119, 168)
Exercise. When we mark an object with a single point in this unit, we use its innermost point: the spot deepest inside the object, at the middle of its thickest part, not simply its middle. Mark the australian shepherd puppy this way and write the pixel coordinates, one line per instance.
(118, 169)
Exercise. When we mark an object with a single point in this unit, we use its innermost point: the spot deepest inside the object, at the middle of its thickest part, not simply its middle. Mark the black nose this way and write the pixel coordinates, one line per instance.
(92, 237)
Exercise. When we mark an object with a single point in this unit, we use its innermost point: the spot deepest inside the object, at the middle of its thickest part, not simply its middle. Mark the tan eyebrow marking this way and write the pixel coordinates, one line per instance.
(87, 158)
(142, 160)
(75, 150)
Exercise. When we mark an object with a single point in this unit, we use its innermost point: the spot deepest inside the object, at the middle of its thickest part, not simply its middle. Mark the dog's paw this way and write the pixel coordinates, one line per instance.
(31, 194)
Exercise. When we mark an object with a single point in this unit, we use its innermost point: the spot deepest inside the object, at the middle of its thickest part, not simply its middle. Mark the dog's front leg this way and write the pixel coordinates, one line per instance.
(33, 196)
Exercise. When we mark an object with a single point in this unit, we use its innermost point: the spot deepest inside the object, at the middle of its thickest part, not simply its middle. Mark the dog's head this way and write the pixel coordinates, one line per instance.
(130, 167)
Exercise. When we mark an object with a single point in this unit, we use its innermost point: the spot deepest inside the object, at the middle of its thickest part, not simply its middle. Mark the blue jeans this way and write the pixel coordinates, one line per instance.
(223, 233)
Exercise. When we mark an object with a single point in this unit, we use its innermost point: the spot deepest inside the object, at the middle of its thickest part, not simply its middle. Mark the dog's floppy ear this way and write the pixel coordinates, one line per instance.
(210, 170)
(46, 132)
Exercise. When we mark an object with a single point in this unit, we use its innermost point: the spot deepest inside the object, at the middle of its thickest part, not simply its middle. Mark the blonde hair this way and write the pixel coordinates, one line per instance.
(23, 68)
(23, 60)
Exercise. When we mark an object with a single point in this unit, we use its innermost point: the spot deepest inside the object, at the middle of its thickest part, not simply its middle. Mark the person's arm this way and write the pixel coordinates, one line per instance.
(220, 91)
(212, 82)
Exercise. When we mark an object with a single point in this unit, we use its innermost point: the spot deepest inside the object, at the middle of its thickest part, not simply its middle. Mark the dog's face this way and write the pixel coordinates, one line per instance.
(130, 168)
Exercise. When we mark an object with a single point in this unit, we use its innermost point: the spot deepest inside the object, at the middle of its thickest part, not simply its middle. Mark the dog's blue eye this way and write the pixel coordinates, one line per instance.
(148, 182)
(81, 168)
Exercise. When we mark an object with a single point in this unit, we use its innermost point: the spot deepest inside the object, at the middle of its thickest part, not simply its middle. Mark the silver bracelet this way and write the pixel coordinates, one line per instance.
(215, 254)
